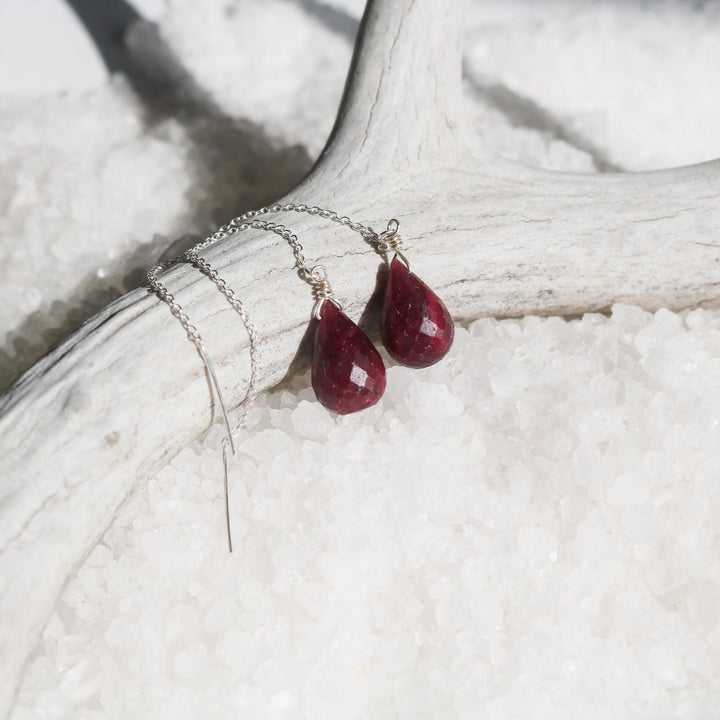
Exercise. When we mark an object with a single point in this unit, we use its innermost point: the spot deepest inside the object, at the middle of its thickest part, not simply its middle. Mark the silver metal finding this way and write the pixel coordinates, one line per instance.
(390, 242)
(321, 289)
(226, 494)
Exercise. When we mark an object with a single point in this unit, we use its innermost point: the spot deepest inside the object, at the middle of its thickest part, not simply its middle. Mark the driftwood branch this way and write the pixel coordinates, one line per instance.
(125, 393)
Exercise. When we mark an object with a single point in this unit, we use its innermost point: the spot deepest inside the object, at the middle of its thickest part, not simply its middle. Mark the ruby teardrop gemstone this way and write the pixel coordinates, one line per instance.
(348, 373)
(416, 327)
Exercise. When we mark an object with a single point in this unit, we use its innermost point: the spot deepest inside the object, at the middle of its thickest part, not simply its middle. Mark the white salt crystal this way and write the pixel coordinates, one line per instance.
(388, 609)
(630, 317)
(115, 693)
(558, 442)
(182, 622)
(399, 655)
(659, 467)
(81, 682)
(191, 662)
(70, 649)
(703, 606)
(521, 481)
(573, 509)
(669, 322)
(438, 503)
(334, 692)
(429, 400)
(121, 634)
(586, 462)
(598, 424)
(55, 628)
(312, 420)
(284, 704)
(149, 658)
(537, 543)
(452, 613)
(238, 650)
(698, 319)
(513, 381)
(667, 578)
(413, 698)
(667, 667)
(222, 614)
(629, 488)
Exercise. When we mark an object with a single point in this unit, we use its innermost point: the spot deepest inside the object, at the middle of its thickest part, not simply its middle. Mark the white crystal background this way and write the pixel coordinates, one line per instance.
(527, 530)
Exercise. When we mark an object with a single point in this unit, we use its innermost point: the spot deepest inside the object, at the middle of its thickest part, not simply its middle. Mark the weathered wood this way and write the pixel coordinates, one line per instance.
(125, 393)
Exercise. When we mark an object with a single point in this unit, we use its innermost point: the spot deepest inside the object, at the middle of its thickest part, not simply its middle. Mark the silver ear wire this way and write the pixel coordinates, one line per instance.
(246, 404)
(226, 491)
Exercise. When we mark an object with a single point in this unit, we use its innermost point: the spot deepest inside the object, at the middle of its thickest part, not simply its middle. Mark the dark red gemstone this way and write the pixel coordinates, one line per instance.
(348, 373)
(416, 329)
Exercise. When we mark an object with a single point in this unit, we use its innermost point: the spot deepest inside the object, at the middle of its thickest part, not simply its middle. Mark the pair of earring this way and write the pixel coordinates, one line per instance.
(348, 374)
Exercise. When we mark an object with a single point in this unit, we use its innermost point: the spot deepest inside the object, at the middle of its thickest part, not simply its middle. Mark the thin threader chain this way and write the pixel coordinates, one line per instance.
(384, 242)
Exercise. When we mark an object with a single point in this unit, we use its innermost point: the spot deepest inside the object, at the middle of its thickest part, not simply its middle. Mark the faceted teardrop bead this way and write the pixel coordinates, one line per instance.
(348, 373)
(416, 327)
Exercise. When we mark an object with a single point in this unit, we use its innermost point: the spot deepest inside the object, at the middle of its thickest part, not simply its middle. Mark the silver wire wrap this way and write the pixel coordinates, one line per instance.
(390, 242)
(321, 289)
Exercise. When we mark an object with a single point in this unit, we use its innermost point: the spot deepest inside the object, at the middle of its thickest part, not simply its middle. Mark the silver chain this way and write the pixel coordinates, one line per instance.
(233, 225)
(384, 242)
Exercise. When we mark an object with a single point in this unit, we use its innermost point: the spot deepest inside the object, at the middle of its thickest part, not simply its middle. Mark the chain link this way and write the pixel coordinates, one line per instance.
(237, 223)
(175, 308)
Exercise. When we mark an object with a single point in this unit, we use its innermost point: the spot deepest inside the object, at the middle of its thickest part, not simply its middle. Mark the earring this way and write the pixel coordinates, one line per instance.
(348, 374)
(416, 328)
